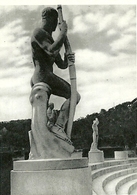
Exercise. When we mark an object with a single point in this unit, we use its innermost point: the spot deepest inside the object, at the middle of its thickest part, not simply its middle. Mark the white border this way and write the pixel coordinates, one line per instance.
(68, 2)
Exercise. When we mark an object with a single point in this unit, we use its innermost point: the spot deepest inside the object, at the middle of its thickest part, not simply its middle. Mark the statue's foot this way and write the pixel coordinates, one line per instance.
(59, 132)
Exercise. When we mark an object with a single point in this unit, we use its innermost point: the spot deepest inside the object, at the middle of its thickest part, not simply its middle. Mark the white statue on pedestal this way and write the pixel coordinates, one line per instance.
(95, 134)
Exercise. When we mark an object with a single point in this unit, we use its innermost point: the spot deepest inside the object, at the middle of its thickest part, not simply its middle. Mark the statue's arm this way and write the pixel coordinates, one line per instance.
(67, 57)
(63, 64)
(44, 42)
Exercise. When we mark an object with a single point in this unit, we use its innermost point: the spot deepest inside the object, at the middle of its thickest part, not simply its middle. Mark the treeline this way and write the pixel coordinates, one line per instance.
(15, 133)
(117, 127)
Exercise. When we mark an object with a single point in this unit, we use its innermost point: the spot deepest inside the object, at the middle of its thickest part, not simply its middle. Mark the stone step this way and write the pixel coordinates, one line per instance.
(99, 182)
(110, 168)
(109, 163)
(102, 171)
(134, 192)
(128, 178)
(123, 190)
(120, 173)
(133, 189)
(97, 186)
(114, 185)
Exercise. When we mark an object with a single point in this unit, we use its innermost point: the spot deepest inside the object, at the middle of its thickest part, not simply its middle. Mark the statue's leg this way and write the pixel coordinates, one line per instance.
(61, 88)
(97, 139)
(62, 119)
(94, 143)
(63, 115)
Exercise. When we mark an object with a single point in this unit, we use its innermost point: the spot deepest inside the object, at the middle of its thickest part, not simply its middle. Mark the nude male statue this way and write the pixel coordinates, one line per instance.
(95, 134)
(45, 52)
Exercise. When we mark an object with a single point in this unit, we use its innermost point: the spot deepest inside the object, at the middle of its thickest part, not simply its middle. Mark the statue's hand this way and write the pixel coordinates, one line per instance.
(71, 57)
(63, 27)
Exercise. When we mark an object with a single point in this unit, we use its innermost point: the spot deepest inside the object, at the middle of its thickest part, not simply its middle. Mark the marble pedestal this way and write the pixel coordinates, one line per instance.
(51, 177)
(96, 156)
(120, 155)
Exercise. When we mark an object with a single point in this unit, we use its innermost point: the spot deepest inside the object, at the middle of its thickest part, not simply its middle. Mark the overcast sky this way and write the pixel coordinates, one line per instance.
(103, 38)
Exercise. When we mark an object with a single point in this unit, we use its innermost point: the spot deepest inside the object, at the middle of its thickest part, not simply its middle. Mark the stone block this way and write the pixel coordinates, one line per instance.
(96, 156)
(51, 177)
(120, 155)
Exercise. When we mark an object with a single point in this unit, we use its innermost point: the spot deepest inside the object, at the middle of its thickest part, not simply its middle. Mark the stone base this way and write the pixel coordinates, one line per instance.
(120, 155)
(96, 156)
(51, 177)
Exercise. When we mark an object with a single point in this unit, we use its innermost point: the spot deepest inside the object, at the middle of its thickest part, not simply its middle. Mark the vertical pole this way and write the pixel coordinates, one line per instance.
(72, 74)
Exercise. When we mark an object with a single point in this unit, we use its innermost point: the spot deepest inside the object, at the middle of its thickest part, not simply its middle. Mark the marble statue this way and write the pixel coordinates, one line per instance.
(95, 134)
(48, 138)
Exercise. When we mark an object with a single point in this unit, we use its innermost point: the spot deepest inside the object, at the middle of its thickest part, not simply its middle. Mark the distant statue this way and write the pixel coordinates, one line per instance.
(95, 134)
(45, 52)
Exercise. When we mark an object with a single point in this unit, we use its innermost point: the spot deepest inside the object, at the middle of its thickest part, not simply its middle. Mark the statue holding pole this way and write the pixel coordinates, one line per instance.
(51, 169)
(45, 52)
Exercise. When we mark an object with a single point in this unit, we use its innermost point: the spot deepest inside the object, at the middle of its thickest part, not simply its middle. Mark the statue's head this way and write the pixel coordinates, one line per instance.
(97, 121)
(50, 16)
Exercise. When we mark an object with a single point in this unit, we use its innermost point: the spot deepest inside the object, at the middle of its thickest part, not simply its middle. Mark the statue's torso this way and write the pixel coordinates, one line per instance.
(43, 62)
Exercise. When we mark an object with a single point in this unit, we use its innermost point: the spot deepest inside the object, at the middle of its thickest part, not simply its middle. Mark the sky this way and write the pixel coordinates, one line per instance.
(103, 38)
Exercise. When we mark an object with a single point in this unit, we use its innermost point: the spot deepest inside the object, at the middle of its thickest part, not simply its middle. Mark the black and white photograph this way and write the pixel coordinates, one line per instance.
(68, 98)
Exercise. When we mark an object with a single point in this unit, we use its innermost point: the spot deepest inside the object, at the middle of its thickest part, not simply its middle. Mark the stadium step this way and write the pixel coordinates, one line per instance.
(109, 176)
(124, 189)
(133, 189)
(118, 184)
(134, 192)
